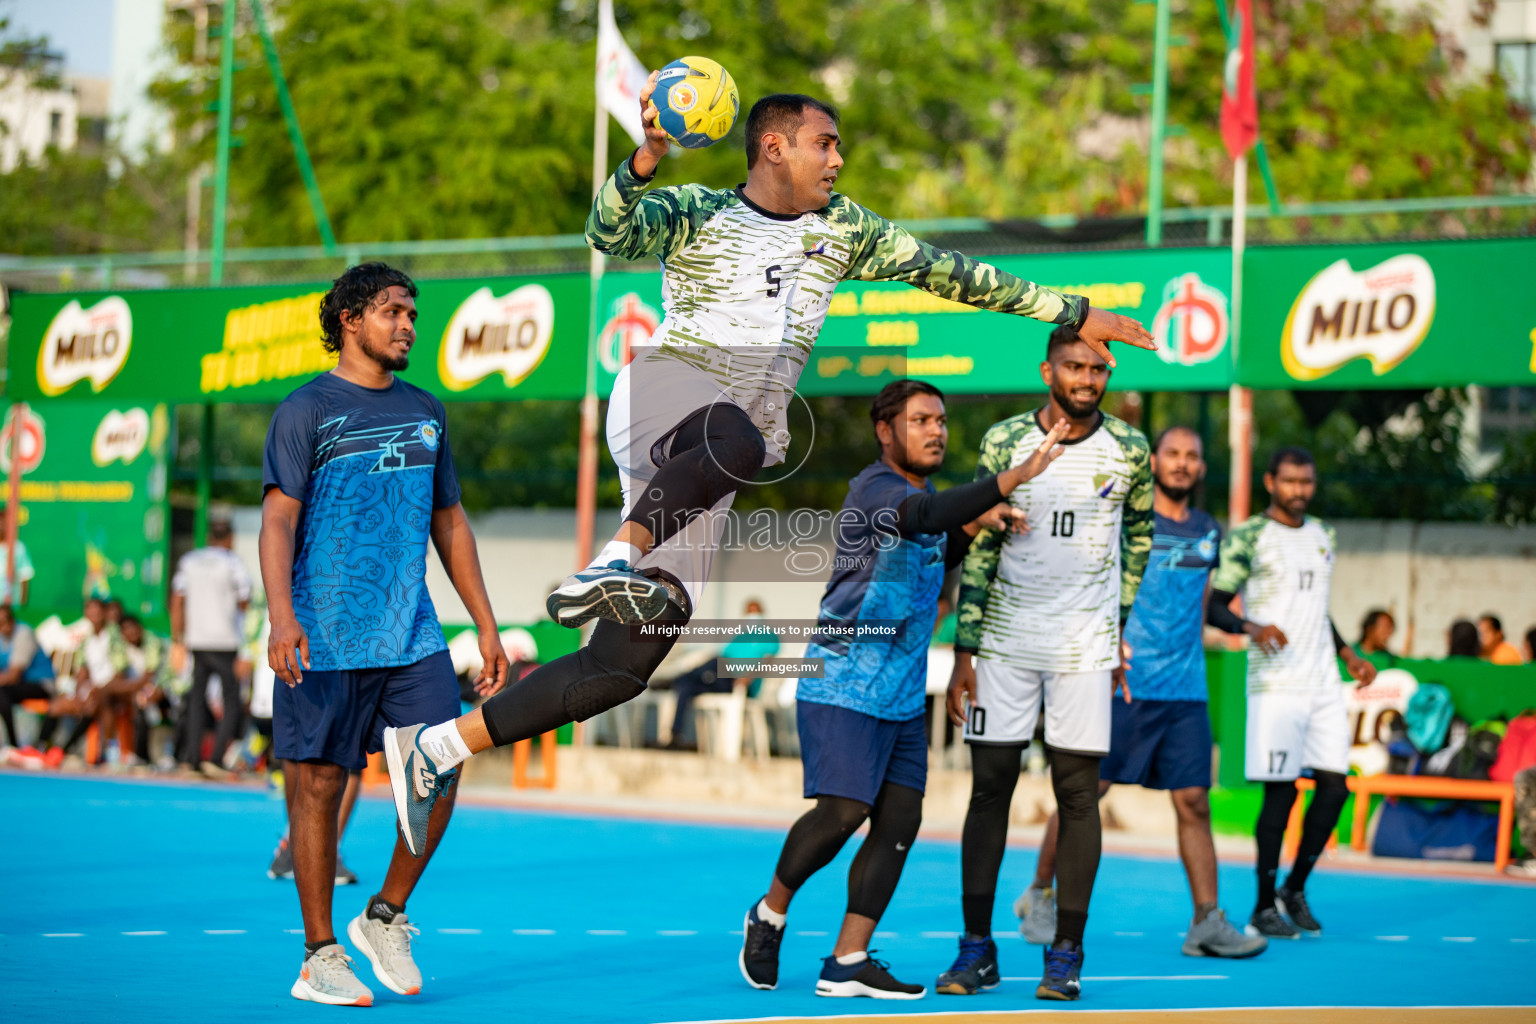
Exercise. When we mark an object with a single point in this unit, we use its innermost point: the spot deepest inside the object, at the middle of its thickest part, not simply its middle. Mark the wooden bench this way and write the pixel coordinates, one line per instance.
(1432, 787)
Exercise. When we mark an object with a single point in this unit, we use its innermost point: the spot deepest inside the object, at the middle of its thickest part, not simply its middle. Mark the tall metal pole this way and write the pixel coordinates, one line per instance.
(1159, 124)
(291, 118)
(586, 456)
(204, 478)
(1240, 414)
(221, 166)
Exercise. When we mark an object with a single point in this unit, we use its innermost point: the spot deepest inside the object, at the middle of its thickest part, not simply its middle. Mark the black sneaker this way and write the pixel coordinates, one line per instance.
(1271, 925)
(759, 960)
(1063, 966)
(1295, 906)
(973, 970)
(868, 977)
(282, 861)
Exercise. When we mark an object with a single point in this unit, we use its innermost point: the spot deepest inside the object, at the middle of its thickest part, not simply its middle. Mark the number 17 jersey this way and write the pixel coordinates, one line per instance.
(1284, 574)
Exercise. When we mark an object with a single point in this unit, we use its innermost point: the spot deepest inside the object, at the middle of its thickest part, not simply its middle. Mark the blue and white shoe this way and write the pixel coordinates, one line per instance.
(869, 977)
(617, 592)
(416, 782)
(974, 970)
(1063, 966)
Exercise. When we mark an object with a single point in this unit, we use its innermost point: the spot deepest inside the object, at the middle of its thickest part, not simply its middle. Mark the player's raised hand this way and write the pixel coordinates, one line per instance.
(1046, 452)
(1271, 639)
(493, 671)
(1003, 518)
(288, 651)
(962, 690)
(1103, 327)
(656, 142)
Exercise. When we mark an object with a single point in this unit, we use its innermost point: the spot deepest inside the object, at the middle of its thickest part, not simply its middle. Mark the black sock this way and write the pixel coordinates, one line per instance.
(978, 913)
(1321, 819)
(380, 909)
(1270, 834)
(315, 947)
(1070, 924)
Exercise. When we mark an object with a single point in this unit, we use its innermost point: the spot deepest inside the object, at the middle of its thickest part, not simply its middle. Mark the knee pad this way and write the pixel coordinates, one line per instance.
(593, 695)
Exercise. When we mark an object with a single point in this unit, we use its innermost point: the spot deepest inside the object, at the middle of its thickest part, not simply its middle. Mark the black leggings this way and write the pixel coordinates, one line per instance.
(823, 830)
(612, 668)
(204, 665)
(12, 695)
(1275, 813)
(1075, 782)
(707, 456)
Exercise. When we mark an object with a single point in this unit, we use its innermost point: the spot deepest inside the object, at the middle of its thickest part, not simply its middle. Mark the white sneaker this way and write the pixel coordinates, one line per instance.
(327, 977)
(1036, 911)
(387, 945)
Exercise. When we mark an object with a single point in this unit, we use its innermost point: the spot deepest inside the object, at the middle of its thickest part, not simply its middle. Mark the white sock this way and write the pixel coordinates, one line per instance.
(616, 550)
(853, 958)
(444, 745)
(768, 915)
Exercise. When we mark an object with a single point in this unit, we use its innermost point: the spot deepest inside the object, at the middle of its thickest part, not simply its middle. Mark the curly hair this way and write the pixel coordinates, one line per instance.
(356, 291)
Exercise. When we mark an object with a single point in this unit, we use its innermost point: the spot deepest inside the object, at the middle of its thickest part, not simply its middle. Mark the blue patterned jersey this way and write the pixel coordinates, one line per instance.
(878, 575)
(371, 466)
(1167, 658)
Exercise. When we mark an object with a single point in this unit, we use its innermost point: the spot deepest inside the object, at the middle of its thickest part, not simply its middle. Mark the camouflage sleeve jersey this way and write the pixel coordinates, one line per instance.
(1285, 575)
(745, 290)
(1054, 599)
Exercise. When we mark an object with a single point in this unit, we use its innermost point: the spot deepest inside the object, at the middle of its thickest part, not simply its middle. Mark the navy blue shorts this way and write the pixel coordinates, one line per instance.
(340, 716)
(1159, 744)
(851, 754)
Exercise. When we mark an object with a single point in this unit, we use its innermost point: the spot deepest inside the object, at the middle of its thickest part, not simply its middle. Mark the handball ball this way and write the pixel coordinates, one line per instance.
(696, 101)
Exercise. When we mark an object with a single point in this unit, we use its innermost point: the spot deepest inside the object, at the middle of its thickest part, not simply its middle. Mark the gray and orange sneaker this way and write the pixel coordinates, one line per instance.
(327, 977)
(416, 783)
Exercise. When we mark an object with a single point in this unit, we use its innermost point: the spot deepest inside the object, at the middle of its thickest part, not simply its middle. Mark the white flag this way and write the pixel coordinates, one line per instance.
(620, 75)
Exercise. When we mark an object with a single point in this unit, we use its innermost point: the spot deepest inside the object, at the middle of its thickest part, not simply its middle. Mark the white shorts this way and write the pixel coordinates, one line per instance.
(1291, 731)
(1077, 707)
(634, 428)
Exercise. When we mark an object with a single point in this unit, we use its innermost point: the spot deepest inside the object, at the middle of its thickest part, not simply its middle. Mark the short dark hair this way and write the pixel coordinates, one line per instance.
(1493, 620)
(1464, 641)
(893, 397)
(8, 612)
(95, 600)
(220, 529)
(1064, 334)
(356, 291)
(1177, 428)
(782, 113)
(1292, 454)
(134, 619)
(1371, 618)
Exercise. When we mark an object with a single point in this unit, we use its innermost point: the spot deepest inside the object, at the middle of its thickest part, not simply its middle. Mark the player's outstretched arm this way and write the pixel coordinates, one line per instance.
(888, 252)
(455, 543)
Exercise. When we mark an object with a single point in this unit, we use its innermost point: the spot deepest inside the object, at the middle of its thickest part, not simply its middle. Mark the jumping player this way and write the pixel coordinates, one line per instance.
(863, 740)
(1043, 615)
(1282, 562)
(1161, 739)
(358, 476)
(748, 275)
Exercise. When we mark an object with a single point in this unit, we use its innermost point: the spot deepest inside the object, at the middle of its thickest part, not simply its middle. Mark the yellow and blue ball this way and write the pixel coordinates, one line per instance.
(696, 101)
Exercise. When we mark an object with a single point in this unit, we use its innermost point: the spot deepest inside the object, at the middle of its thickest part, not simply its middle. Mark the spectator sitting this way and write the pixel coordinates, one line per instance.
(1494, 648)
(115, 614)
(26, 673)
(705, 679)
(1463, 641)
(1376, 631)
(24, 570)
(144, 675)
(81, 693)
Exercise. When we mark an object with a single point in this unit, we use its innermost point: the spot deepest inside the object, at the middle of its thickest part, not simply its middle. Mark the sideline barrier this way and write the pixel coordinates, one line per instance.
(522, 751)
(1434, 787)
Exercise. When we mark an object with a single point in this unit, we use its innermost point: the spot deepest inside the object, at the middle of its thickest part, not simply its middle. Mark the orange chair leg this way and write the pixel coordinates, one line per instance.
(93, 742)
(374, 772)
(522, 751)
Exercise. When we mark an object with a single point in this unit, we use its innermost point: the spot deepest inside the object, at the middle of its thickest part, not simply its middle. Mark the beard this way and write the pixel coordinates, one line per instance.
(385, 359)
(923, 469)
(1176, 493)
(1075, 408)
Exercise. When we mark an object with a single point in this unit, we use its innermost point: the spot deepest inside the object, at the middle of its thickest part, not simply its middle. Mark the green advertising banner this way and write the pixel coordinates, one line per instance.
(94, 514)
(877, 330)
(1426, 314)
(477, 338)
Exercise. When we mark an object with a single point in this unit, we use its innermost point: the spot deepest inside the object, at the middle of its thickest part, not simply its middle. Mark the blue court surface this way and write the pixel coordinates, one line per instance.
(141, 901)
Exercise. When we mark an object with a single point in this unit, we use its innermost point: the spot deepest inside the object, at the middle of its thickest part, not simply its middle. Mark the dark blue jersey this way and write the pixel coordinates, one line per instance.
(371, 466)
(1167, 658)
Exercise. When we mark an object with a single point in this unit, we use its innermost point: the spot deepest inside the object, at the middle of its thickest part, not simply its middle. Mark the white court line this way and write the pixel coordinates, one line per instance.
(1143, 977)
(606, 931)
(293, 931)
(811, 935)
(676, 931)
(887, 935)
(458, 931)
(63, 935)
(533, 931)
(1519, 940)
(1391, 938)
(1130, 935)
(143, 933)
(941, 935)
(223, 931)
(1458, 938)
(1007, 935)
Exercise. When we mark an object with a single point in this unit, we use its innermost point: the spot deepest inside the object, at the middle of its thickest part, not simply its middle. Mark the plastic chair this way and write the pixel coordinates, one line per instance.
(722, 720)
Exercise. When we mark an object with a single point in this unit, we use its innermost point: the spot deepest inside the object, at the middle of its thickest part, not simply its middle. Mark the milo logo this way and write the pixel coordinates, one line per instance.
(85, 344)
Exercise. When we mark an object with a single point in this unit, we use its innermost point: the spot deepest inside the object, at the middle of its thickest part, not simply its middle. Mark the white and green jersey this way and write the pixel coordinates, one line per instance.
(1284, 574)
(745, 291)
(1055, 598)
